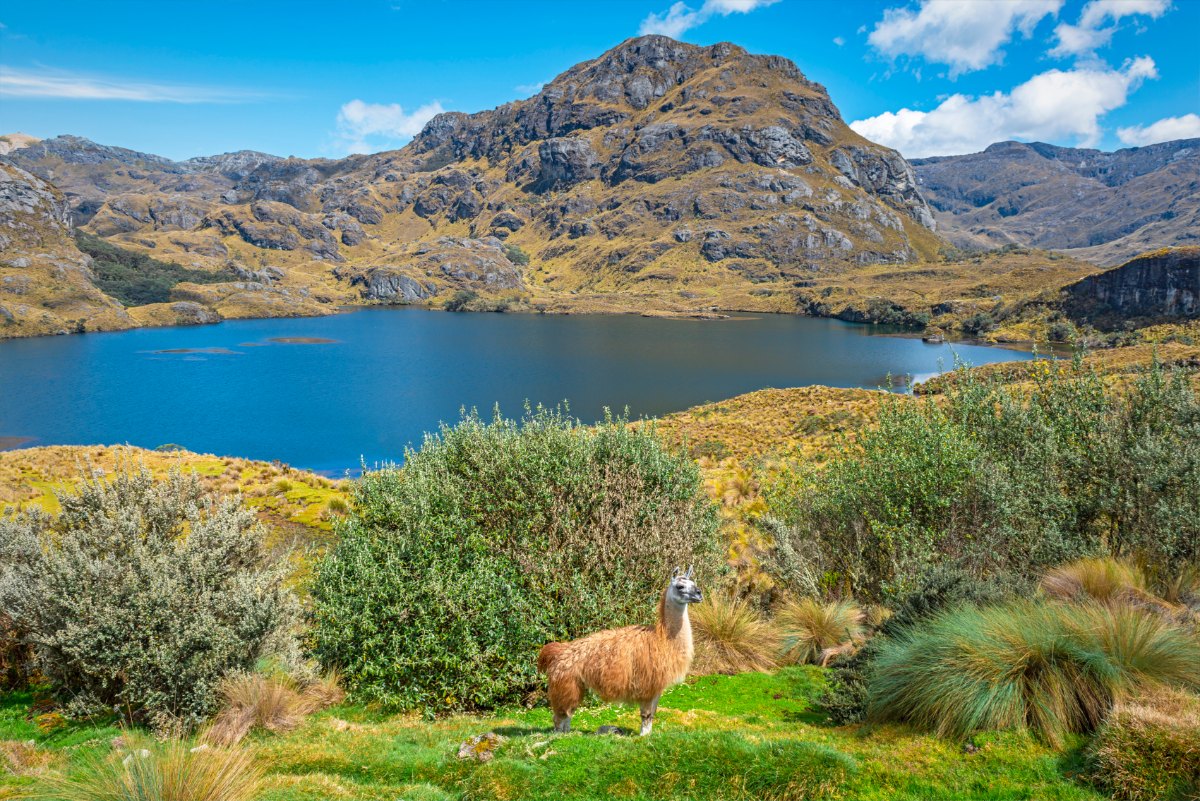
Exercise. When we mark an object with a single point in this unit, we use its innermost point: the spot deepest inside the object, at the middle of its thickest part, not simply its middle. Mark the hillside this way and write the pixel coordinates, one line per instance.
(660, 175)
(1102, 207)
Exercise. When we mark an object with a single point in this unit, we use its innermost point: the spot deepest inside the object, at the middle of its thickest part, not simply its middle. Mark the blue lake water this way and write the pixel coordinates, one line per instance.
(386, 376)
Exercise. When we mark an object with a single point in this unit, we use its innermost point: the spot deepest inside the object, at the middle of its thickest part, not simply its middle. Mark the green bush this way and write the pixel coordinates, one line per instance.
(135, 278)
(978, 324)
(1049, 668)
(516, 255)
(493, 539)
(1000, 478)
(460, 300)
(1149, 748)
(141, 594)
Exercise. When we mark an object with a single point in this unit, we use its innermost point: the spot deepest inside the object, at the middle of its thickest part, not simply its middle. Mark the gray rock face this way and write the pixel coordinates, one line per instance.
(190, 313)
(565, 162)
(1163, 286)
(386, 284)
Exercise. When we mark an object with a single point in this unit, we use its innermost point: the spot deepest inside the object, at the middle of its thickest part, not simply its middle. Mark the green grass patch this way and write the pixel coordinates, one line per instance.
(136, 279)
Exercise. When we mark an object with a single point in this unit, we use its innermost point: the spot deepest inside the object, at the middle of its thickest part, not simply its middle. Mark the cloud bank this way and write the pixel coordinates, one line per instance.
(371, 127)
(1090, 33)
(1165, 130)
(1053, 105)
(966, 35)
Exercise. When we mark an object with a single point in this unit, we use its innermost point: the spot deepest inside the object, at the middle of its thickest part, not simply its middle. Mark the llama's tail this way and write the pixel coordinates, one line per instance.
(549, 653)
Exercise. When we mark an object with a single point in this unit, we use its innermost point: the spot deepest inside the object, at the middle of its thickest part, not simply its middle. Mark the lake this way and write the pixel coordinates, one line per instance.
(328, 393)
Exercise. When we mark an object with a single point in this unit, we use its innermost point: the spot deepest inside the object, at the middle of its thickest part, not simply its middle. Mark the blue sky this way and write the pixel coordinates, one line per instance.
(323, 79)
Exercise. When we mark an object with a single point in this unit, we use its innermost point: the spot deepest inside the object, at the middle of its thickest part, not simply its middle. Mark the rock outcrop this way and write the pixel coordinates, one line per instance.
(1160, 286)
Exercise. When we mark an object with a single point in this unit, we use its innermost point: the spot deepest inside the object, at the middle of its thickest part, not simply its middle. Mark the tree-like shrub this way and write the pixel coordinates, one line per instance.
(1149, 748)
(142, 594)
(493, 539)
(1049, 668)
(1007, 478)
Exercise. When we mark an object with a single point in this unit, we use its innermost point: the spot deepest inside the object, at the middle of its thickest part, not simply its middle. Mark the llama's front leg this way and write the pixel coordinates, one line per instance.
(648, 710)
(562, 723)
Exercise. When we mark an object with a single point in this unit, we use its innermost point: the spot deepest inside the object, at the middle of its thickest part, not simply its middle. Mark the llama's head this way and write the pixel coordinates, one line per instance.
(682, 590)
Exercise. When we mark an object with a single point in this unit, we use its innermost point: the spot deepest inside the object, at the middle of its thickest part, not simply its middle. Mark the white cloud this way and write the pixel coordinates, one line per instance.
(1053, 105)
(15, 82)
(967, 35)
(1165, 130)
(370, 127)
(529, 88)
(1088, 35)
(680, 17)
(839, 41)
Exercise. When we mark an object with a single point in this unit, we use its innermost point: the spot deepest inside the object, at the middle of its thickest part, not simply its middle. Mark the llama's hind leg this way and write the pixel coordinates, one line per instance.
(565, 696)
(648, 710)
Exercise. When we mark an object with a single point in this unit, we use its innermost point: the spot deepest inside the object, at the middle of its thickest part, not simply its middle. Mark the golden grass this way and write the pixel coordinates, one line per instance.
(23, 758)
(731, 637)
(810, 628)
(170, 771)
(1149, 748)
(276, 704)
(1103, 579)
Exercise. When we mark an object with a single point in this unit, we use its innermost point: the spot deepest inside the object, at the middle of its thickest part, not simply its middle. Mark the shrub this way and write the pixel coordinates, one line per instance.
(142, 594)
(1003, 478)
(1149, 748)
(978, 324)
(809, 627)
(516, 255)
(166, 771)
(460, 300)
(731, 637)
(494, 539)
(1049, 668)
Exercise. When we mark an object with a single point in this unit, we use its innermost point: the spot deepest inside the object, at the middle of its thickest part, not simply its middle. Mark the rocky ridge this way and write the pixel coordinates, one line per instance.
(661, 173)
(1102, 207)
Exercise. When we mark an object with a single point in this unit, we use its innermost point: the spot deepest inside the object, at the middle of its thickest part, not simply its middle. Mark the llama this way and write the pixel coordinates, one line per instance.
(629, 665)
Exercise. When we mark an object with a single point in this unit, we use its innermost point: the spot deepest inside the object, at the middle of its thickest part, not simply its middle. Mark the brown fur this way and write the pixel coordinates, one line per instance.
(633, 664)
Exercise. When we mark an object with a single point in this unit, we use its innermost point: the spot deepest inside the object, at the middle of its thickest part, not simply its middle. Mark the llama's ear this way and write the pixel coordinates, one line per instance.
(674, 574)
(689, 573)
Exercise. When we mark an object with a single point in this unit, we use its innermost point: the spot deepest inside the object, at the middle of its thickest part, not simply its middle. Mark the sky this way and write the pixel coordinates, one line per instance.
(927, 77)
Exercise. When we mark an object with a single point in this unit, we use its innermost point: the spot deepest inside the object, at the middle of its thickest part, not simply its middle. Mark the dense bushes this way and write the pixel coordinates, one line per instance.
(997, 477)
(1051, 668)
(142, 594)
(493, 539)
(136, 279)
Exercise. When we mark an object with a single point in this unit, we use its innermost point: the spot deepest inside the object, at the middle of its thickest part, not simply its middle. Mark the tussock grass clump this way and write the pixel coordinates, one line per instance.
(810, 627)
(23, 757)
(1105, 580)
(1049, 668)
(277, 704)
(1149, 748)
(731, 637)
(170, 771)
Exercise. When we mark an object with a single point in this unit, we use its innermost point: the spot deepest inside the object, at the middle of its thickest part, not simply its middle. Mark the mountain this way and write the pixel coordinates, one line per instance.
(660, 175)
(1103, 207)
(1159, 286)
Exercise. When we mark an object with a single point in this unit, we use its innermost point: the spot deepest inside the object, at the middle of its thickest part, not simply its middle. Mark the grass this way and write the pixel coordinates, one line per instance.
(748, 736)
(1104, 580)
(811, 627)
(1049, 668)
(731, 636)
(1150, 748)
